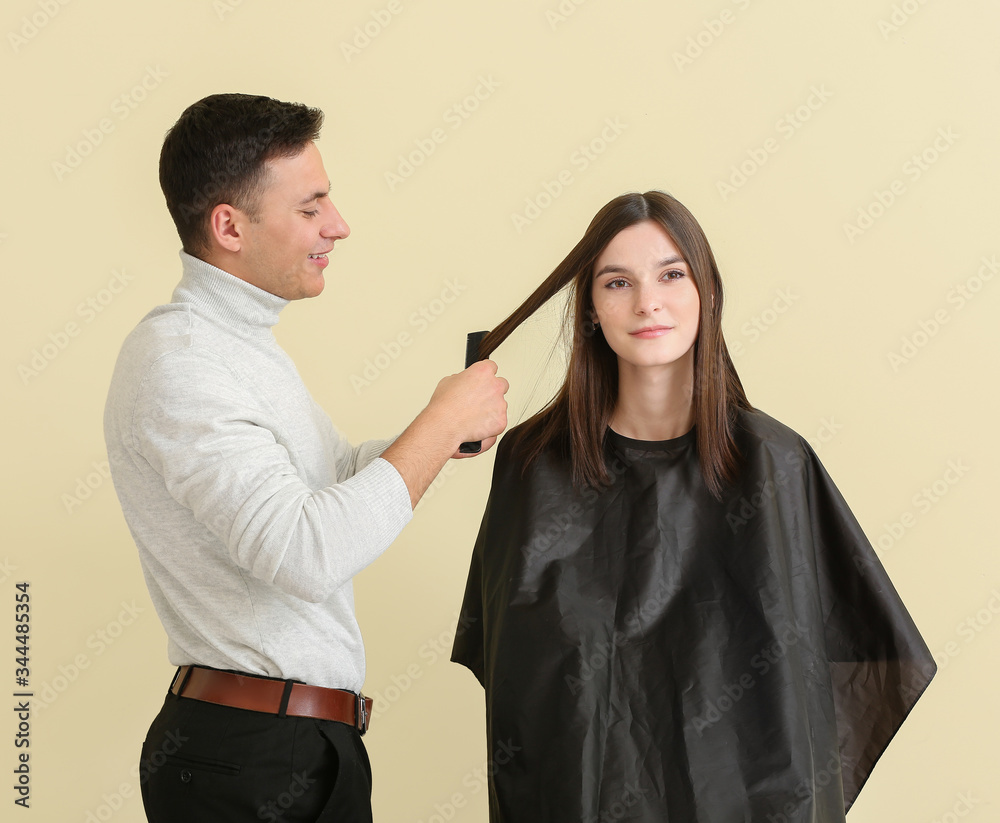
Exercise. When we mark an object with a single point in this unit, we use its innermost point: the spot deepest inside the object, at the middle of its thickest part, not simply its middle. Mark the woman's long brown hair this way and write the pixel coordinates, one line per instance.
(576, 419)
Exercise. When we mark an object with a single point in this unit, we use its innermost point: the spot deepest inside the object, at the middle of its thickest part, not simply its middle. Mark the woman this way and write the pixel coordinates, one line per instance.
(671, 608)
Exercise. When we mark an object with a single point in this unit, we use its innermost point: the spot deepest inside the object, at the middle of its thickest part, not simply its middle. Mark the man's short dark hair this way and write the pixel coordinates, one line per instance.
(216, 153)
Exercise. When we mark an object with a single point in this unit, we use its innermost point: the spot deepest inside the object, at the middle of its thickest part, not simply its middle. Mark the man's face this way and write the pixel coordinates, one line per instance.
(284, 251)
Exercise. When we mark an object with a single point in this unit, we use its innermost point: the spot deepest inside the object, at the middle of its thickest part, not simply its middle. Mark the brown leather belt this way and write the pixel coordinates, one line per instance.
(279, 697)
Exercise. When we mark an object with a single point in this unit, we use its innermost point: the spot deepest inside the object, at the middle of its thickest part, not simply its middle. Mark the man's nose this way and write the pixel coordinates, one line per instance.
(335, 226)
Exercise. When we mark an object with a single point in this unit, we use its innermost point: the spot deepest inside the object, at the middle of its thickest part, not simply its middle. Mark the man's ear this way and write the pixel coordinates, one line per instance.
(225, 225)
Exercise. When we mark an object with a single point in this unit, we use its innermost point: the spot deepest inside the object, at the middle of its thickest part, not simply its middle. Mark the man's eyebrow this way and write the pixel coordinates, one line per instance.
(616, 269)
(316, 195)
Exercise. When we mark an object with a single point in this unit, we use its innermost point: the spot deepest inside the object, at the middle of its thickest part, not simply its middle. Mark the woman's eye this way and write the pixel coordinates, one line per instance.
(617, 283)
(674, 274)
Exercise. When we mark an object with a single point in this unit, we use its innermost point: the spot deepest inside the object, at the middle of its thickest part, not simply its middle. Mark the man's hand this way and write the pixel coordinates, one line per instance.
(471, 403)
(466, 406)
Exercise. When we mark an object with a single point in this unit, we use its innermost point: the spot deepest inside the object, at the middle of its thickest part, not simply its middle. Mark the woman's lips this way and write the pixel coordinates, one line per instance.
(651, 331)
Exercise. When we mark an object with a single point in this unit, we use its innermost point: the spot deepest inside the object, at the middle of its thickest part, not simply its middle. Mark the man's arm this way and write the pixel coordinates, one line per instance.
(198, 433)
(214, 447)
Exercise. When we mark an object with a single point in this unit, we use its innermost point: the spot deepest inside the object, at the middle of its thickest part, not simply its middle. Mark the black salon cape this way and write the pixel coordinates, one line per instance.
(652, 654)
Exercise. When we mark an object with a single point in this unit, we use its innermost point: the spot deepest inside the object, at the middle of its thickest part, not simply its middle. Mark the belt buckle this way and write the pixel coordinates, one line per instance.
(361, 714)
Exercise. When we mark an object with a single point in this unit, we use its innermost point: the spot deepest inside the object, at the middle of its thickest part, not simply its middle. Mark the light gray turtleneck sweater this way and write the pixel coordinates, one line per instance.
(251, 512)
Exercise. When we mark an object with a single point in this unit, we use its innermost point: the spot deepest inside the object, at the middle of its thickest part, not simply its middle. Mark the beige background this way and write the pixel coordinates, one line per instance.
(859, 339)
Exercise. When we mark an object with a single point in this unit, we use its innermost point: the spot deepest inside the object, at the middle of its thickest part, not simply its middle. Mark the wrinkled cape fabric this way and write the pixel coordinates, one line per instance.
(650, 653)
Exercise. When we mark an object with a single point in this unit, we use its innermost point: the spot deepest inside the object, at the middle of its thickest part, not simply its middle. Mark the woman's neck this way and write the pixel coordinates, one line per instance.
(655, 403)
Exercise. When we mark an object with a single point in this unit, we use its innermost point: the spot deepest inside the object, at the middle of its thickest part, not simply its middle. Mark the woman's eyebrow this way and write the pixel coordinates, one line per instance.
(613, 268)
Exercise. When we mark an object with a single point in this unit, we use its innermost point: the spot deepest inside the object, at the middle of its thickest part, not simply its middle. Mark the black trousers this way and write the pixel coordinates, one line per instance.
(203, 763)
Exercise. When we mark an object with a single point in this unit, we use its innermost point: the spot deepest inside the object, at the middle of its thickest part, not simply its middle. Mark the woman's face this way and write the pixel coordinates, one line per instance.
(645, 299)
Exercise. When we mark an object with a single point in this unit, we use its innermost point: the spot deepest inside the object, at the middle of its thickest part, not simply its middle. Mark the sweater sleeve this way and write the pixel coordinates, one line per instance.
(214, 445)
(351, 459)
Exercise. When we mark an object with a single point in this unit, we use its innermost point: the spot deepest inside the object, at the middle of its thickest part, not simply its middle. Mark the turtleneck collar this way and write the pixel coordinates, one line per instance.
(227, 298)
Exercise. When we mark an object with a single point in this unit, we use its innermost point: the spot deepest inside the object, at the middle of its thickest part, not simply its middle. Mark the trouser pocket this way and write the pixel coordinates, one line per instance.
(198, 764)
(203, 762)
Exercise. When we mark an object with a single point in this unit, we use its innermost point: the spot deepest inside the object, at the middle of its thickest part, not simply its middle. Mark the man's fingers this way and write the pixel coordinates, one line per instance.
(484, 365)
(487, 442)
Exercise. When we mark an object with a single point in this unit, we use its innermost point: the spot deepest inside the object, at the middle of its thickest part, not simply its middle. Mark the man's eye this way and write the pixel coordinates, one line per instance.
(311, 213)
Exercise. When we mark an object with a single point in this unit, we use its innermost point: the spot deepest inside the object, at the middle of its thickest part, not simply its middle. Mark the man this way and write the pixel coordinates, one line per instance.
(250, 511)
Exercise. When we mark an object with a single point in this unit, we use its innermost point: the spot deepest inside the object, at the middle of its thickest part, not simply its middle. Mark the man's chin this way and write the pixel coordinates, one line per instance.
(311, 287)
(318, 289)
